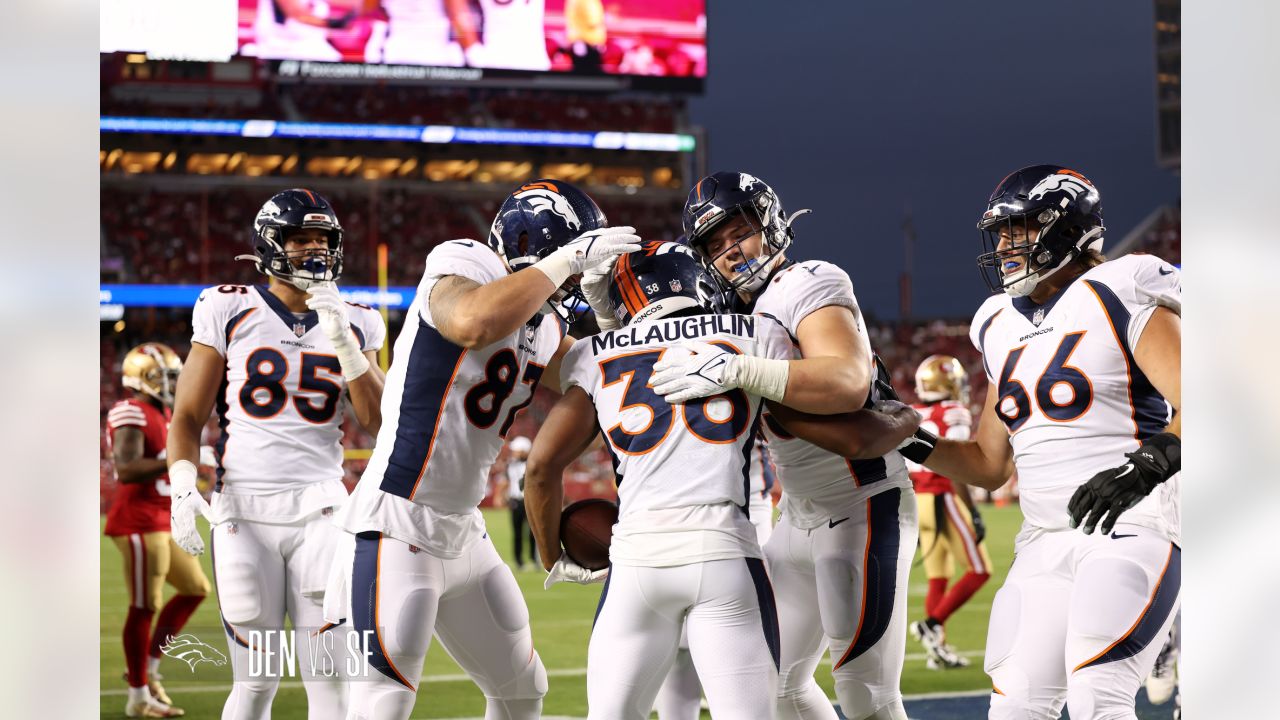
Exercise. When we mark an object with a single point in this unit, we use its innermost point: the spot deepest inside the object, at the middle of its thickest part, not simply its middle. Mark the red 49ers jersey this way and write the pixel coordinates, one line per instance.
(947, 419)
(144, 506)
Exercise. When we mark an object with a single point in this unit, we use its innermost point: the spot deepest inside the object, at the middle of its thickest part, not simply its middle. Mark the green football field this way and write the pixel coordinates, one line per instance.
(561, 619)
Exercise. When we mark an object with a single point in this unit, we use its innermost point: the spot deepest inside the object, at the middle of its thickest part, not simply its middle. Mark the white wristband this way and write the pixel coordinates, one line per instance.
(759, 376)
(353, 362)
(182, 477)
(556, 267)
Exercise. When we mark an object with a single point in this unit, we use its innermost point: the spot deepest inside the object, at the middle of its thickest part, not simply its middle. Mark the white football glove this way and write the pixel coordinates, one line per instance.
(185, 503)
(708, 370)
(208, 457)
(595, 286)
(587, 251)
(566, 570)
(332, 311)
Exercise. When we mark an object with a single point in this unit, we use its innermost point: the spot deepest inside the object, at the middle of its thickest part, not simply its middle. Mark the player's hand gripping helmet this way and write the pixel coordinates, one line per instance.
(720, 197)
(534, 221)
(1049, 216)
(152, 369)
(284, 214)
(942, 377)
(655, 281)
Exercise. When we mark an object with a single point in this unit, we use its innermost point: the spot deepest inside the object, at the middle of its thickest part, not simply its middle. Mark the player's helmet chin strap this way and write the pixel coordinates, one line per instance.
(314, 270)
(1032, 275)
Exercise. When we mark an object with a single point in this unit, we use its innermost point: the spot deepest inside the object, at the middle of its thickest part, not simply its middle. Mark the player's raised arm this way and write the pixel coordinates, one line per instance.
(985, 462)
(359, 368)
(563, 437)
(860, 435)
(474, 315)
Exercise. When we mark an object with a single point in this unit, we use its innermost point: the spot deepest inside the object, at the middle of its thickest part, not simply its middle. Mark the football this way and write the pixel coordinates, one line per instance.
(586, 527)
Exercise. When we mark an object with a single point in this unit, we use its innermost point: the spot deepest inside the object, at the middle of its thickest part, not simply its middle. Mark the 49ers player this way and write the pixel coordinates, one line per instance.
(138, 523)
(950, 526)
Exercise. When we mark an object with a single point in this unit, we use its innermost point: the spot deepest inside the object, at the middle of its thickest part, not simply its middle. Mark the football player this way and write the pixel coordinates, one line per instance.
(950, 525)
(520, 530)
(278, 360)
(680, 696)
(684, 551)
(842, 550)
(484, 328)
(1084, 360)
(138, 524)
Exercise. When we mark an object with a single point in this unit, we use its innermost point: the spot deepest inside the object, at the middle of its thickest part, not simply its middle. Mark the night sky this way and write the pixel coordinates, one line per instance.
(859, 109)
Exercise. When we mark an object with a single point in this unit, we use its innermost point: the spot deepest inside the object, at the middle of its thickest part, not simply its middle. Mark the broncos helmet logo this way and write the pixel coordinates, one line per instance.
(544, 199)
(746, 182)
(189, 649)
(1073, 184)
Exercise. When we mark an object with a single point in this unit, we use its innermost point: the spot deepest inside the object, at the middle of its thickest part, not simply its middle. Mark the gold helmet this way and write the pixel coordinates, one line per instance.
(152, 368)
(942, 377)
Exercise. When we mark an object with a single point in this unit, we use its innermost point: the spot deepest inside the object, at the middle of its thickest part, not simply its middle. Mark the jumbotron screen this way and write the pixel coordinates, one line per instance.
(482, 38)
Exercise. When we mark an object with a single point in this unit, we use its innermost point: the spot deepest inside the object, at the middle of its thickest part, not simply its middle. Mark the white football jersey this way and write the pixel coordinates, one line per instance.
(445, 412)
(815, 483)
(1070, 393)
(280, 406)
(514, 35)
(761, 483)
(683, 471)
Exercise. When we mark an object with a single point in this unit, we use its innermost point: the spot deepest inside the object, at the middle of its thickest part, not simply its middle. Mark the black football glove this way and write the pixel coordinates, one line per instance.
(881, 384)
(979, 527)
(1111, 492)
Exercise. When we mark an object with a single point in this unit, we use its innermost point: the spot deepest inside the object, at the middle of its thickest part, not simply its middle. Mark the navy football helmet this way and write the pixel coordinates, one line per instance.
(655, 281)
(1050, 214)
(722, 196)
(281, 216)
(539, 218)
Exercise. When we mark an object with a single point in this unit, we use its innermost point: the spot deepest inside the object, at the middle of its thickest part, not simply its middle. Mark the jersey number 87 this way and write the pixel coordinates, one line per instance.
(636, 369)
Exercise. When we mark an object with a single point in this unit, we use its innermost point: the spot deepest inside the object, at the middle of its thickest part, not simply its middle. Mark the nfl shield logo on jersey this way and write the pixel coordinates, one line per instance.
(1037, 317)
(299, 329)
(675, 285)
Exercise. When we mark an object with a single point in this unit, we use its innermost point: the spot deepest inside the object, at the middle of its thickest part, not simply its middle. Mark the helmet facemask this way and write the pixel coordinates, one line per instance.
(763, 217)
(302, 268)
(1042, 248)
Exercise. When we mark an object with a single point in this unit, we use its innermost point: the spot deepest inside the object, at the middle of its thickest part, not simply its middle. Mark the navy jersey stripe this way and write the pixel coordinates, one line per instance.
(982, 341)
(1150, 413)
(1153, 616)
(432, 364)
(865, 472)
(232, 324)
(220, 447)
(768, 608)
(359, 335)
(604, 593)
(750, 443)
(364, 605)
(884, 537)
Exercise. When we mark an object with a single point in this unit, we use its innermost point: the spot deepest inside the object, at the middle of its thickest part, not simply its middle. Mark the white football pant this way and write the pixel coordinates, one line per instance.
(401, 595)
(680, 697)
(845, 583)
(1081, 618)
(727, 606)
(259, 571)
